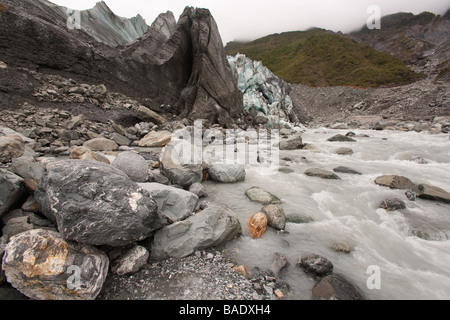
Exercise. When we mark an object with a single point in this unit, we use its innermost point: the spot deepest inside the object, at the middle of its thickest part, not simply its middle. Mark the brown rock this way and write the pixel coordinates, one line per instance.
(395, 182)
(257, 225)
(84, 153)
(156, 139)
(241, 270)
(11, 147)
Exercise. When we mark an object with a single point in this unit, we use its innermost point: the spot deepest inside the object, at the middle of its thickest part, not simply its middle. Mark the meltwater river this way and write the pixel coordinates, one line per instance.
(346, 211)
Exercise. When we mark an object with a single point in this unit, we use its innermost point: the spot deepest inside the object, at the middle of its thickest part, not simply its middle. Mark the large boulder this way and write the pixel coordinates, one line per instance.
(176, 204)
(425, 191)
(227, 173)
(395, 182)
(95, 203)
(11, 147)
(43, 266)
(134, 165)
(292, 143)
(178, 168)
(275, 216)
(11, 190)
(211, 227)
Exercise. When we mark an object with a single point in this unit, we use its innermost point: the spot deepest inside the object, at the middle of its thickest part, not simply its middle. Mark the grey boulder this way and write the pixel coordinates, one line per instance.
(211, 227)
(43, 266)
(11, 190)
(259, 195)
(227, 173)
(97, 204)
(292, 143)
(176, 204)
(133, 164)
(11, 147)
(275, 216)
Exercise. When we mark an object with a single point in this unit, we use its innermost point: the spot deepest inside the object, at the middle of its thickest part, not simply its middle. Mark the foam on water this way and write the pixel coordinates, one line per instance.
(346, 211)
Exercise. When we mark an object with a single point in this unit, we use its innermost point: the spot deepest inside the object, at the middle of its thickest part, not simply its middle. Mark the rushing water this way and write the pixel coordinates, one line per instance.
(346, 211)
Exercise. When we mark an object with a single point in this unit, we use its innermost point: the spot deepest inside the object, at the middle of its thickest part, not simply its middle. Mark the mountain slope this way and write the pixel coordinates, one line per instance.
(322, 58)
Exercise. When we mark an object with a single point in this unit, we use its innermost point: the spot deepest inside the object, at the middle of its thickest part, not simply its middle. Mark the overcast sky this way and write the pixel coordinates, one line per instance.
(248, 20)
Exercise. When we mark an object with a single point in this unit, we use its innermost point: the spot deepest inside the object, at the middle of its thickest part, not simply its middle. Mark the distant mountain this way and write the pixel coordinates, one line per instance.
(321, 58)
(421, 40)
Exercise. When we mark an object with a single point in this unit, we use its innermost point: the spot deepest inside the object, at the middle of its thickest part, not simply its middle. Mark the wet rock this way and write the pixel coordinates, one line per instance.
(101, 144)
(280, 265)
(130, 261)
(341, 138)
(321, 173)
(292, 143)
(257, 225)
(348, 170)
(11, 147)
(41, 265)
(425, 191)
(227, 173)
(180, 170)
(343, 151)
(411, 195)
(211, 227)
(342, 247)
(156, 139)
(133, 165)
(176, 204)
(275, 216)
(335, 287)
(11, 190)
(395, 182)
(95, 203)
(316, 265)
(393, 204)
(259, 195)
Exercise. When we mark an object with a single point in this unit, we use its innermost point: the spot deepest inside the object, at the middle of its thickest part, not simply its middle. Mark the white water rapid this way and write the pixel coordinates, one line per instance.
(346, 211)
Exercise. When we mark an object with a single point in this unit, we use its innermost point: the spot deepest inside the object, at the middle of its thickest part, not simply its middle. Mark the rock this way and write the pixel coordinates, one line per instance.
(176, 204)
(317, 265)
(84, 153)
(427, 229)
(133, 165)
(178, 169)
(275, 216)
(42, 266)
(11, 147)
(257, 225)
(30, 205)
(259, 195)
(69, 135)
(101, 144)
(411, 195)
(342, 247)
(343, 169)
(341, 138)
(335, 287)
(12, 191)
(74, 122)
(343, 151)
(130, 261)
(425, 191)
(147, 115)
(156, 139)
(292, 143)
(393, 204)
(97, 204)
(156, 176)
(395, 182)
(3, 243)
(321, 173)
(279, 265)
(27, 168)
(16, 226)
(198, 190)
(227, 173)
(241, 270)
(211, 227)
(418, 159)
(120, 139)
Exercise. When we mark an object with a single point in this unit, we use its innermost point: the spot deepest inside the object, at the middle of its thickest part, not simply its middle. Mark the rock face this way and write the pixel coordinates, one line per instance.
(265, 95)
(11, 147)
(227, 173)
(175, 204)
(95, 203)
(43, 266)
(209, 228)
(11, 190)
(181, 64)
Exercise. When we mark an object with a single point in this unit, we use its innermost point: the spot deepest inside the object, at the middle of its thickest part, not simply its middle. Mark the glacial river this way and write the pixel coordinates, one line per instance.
(347, 211)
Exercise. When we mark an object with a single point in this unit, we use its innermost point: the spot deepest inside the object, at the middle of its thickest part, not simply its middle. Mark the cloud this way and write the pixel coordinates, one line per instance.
(248, 20)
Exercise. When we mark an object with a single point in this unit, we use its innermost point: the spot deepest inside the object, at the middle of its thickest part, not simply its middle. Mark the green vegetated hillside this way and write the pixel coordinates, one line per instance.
(320, 58)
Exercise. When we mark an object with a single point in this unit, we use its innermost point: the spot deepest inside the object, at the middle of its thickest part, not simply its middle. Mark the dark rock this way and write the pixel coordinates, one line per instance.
(95, 203)
(393, 204)
(335, 287)
(428, 192)
(16, 226)
(130, 261)
(280, 265)
(341, 138)
(342, 169)
(316, 265)
(12, 191)
(411, 195)
(321, 173)
(39, 264)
